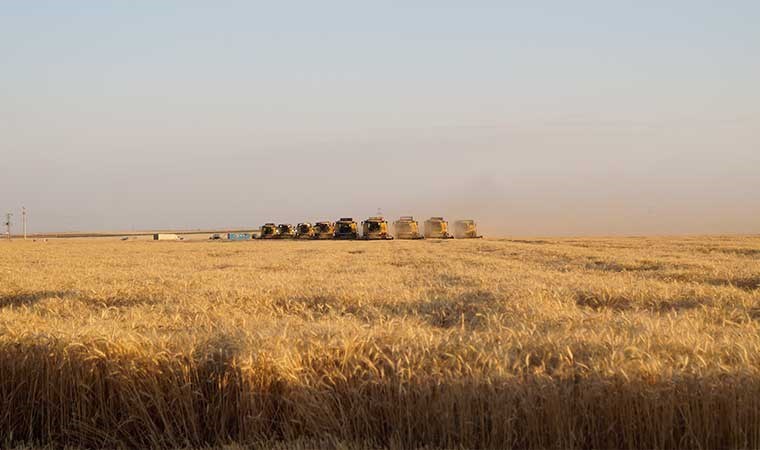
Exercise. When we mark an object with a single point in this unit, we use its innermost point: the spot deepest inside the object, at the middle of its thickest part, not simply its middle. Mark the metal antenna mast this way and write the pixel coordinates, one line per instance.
(8, 224)
(23, 219)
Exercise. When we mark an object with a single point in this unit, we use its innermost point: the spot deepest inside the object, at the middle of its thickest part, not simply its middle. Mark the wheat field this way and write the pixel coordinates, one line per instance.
(495, 343)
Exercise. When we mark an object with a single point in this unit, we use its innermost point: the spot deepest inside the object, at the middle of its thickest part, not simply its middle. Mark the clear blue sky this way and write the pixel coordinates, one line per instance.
(588, 117)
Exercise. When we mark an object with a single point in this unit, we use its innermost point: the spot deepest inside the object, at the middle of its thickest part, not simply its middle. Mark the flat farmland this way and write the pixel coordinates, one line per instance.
(500, 343)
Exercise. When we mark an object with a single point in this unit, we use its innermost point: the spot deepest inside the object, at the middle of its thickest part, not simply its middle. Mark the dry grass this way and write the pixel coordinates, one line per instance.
(573, 343)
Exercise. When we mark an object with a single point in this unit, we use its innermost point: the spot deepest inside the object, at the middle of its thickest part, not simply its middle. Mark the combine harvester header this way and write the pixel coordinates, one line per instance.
(466, 229)
(305, 230)
(346, 228)
(324, 230)
(437, 228)
(285, 231)
(407, 228)
(375, 228)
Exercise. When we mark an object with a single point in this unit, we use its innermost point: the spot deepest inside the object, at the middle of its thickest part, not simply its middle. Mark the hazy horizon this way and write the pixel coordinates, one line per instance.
(589, 118)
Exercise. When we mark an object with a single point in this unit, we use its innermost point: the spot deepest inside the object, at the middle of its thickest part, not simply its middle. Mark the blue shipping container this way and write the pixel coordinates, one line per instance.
(239, 236)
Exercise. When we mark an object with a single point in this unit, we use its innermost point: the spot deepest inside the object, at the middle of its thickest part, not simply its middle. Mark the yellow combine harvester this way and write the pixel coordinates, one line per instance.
(304, 230)
(466, 229)
(407, 228)
(346, 228)
(285, 231)
(268, 231)
(375, 228)
(437, 228)
(324, 230)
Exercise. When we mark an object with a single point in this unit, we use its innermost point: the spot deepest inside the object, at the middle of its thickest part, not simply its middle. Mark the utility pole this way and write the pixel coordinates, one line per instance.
(23, 219)
(8, 224)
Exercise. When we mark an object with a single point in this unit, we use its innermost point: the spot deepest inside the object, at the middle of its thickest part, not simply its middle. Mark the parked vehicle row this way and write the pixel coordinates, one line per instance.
(374, 228)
